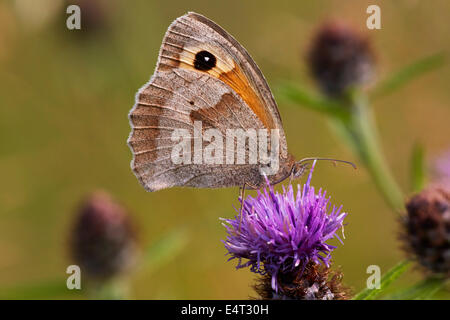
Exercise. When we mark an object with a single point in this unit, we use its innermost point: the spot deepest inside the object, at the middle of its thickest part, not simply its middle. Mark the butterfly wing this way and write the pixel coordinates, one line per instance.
(225, 90)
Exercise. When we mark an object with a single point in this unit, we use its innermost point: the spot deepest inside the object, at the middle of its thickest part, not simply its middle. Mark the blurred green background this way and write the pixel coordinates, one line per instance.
(64, 100)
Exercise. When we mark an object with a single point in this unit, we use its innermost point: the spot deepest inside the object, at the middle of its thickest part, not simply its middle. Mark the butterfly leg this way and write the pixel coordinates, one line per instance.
(244, 185)
(242, 205)
(291, 177)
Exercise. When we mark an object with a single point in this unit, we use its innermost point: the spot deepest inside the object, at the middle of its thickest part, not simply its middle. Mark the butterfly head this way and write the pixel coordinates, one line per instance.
(298, 169)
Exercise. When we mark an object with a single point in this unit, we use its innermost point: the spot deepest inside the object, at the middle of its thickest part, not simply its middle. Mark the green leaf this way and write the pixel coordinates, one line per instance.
(407, 74)
(386, 280)
(300, 96)
(418, 168)
(165, 249)
(423, 290)
(367, 142)
(50, 289)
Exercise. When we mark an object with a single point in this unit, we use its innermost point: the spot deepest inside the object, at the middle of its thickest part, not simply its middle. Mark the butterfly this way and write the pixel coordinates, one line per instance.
(205, 88)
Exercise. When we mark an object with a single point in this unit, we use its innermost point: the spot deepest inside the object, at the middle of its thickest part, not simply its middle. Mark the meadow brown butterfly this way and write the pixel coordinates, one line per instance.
(207, 118)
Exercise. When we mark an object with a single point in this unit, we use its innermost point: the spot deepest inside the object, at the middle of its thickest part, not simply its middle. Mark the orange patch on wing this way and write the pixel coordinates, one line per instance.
(237, 80)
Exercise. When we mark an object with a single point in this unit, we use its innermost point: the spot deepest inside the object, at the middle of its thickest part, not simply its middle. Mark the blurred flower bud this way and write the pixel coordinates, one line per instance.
(427, 228)
(441, 168)
(95, 15)
(316, 282)
(340, 58)
(103, 241)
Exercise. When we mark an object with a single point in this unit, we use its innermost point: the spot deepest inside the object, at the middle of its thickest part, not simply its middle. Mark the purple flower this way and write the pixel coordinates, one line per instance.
(281, 232)
(442, 168)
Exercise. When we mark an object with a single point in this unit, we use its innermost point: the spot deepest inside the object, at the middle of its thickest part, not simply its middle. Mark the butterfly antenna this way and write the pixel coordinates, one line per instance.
(327, 159)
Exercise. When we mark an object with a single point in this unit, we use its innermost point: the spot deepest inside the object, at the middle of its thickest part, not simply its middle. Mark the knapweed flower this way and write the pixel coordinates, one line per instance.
(427, 228)
(281, 233)
(340, 58)
(102, 241)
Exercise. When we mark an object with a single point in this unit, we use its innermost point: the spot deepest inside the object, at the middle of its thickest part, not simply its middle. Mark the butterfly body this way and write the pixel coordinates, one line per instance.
(204, 80)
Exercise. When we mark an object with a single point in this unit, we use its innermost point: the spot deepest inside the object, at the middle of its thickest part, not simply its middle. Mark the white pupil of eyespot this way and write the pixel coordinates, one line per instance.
(206, 58)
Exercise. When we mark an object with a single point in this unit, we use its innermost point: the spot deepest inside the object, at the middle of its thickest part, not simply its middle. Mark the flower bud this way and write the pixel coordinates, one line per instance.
(427, 228)
(103, 242)
(340, 58)
(95, 17)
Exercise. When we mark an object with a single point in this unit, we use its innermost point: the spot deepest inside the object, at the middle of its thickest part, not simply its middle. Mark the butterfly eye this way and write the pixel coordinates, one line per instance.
(204, 61)
(298, 170)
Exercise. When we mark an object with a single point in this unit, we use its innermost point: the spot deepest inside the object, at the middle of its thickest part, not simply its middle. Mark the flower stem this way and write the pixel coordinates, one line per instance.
(386, 280)
(360, 129)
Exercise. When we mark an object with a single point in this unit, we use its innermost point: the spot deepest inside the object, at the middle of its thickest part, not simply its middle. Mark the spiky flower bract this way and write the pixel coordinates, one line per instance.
(426, 233)
(316, 282)
(283, 232)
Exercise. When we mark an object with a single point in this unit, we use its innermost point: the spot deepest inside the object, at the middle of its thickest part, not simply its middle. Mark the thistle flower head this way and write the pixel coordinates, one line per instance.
(103, 242)
(283, 232)
(340, 58)
(427, 228)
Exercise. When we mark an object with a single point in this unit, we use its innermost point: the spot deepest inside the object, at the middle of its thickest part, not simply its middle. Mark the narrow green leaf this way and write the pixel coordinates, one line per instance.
(386, 280)
(423, 290)
(165, 249)
(300, 96)
(418, 169)
(407, 74)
